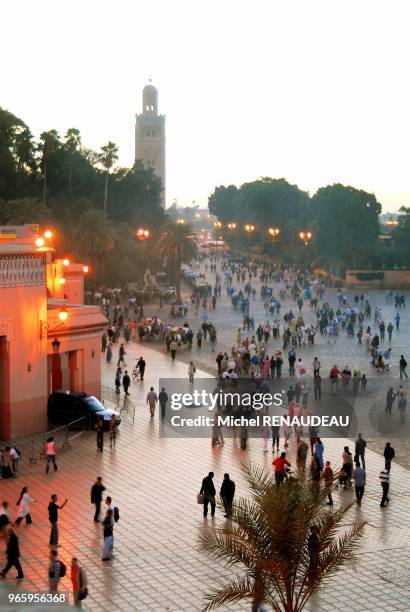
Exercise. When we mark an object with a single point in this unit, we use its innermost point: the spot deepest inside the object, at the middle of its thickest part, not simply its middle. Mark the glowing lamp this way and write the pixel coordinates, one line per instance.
(39, 242)
(85, 269)
(48, 234)
(66, 262)
(62, 315)
(62, 281)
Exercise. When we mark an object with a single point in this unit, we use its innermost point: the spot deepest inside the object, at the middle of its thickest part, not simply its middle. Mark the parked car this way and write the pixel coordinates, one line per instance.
(64, 407)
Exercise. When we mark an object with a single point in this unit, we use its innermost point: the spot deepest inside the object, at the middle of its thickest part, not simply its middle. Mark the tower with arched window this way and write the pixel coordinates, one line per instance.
(150, 135)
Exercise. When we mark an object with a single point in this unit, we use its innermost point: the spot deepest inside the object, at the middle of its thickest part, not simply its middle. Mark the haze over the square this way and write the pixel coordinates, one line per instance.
(313, 92)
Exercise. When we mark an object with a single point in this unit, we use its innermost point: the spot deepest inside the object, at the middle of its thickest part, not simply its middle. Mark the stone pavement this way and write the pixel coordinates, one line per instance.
(154, 482)
(370, 409)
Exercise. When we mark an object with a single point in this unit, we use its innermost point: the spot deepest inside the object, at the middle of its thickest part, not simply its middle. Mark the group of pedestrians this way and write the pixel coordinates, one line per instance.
(207, 494)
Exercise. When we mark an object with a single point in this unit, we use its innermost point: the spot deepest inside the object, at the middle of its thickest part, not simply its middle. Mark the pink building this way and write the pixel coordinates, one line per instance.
(49, 339)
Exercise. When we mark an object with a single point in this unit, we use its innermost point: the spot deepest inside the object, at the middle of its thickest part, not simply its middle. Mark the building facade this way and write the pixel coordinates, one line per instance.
(49, 340)
(150, 135)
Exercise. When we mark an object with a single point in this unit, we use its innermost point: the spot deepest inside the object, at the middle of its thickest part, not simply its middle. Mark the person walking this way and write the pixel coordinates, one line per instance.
(152, 399)
(317, 386)
(384, 478)
(109, 353)
(173, 348)
(141, 365)
(275, 432)
(301, 454)
(108, 533)
(53, 509)
(117, 381)
(191, 372)
(328, 481)
(24, 507)
(280, 464)
(402, 367)
(318, 452)
(99, 427)
(12, 554)
(79, 582)
(5, 518)
(14, 458)
(126, 381)
(390, 397)
(209, 492)
(121, 355)
(389, 454)
(97, 491)
(359, 477)
(227, 493)
(54, 571)
(51, 454)
(360, 449)
(112, 430)
(244, 435)
(163, 399)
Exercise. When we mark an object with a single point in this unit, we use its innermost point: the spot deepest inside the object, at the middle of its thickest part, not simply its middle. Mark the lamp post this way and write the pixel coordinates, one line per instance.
(45, 328)
(143, 235)
(306, 237)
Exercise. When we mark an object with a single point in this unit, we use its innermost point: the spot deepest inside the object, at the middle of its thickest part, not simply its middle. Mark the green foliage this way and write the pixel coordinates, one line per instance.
(344, 222)
(176, 246)
(61, 183)
(346, 225)
(269, 541)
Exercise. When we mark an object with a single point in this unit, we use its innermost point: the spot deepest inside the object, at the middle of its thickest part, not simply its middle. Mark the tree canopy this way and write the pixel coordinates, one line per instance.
(57, 181)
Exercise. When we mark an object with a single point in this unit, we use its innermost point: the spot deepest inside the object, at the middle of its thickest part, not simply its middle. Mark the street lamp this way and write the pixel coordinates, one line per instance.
(231, 226)
(181, 221)
(249, 228)
(306, 237)
(45, 328)
(274, 232)
(142, 234)
(217, 224)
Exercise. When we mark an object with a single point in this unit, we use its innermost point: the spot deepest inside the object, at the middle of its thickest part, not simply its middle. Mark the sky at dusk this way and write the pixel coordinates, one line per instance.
(311, 90)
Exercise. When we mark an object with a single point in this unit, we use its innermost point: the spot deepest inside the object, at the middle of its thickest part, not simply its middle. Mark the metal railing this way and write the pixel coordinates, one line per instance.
(32, 448)
(125, 406)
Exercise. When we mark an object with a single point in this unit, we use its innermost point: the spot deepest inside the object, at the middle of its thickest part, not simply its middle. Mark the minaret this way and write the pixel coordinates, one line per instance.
(150, 135)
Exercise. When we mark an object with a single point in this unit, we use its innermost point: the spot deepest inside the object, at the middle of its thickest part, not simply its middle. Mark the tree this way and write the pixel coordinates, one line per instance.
(17, 161)
(48, 145)
(107, 158)
(222, 203)
(287, 540)
(26, 210)
(177, 246)
(94, 236)
(264, 203)
(72, 144)
(346, 224)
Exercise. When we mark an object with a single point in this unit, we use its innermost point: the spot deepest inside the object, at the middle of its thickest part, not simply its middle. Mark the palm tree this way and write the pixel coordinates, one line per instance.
(107, 158)
(177, 246)
(72, 144)
(286, 539)
(26, 210)
(49, 144)
(94, 236)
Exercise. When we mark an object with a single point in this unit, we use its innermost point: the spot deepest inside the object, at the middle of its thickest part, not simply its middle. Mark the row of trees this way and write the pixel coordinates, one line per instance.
(94, 205)
(344, 222)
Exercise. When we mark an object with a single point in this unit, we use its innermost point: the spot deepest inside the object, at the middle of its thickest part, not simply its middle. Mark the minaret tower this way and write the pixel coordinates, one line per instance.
(150, 135)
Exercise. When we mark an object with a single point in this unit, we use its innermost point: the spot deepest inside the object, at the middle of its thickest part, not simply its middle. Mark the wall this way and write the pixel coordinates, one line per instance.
(378, 279)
